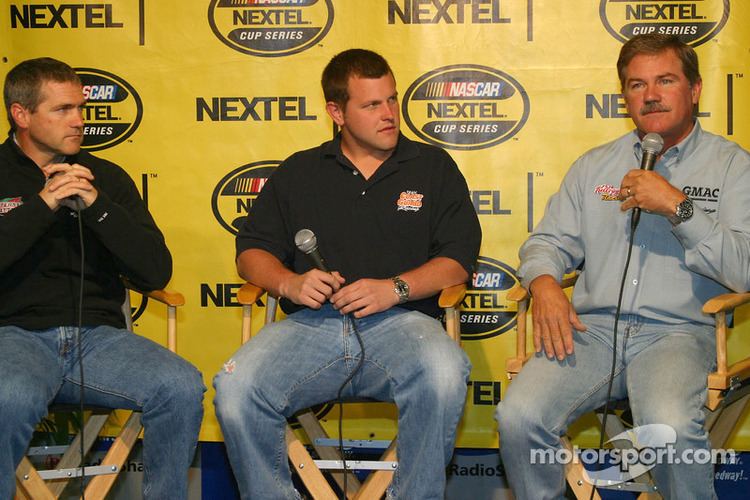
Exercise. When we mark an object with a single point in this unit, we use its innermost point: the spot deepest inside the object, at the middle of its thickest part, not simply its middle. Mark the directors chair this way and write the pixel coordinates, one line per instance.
(310, 470)
(728, 391)
(33, 484)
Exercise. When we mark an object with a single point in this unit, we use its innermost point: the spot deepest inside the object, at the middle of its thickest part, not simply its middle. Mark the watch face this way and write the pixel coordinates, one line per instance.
(401, 288)
(685, 209)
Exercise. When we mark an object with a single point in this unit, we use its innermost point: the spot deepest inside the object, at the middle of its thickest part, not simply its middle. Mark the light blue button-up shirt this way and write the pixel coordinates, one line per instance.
(673, 270)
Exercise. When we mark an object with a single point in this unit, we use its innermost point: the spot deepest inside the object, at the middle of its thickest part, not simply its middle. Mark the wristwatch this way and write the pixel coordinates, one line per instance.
(401, 288)
(683, 212)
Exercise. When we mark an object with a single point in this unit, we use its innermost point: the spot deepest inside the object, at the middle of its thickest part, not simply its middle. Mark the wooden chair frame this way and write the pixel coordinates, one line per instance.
(32, 484)
(725, 403)
(309, 469)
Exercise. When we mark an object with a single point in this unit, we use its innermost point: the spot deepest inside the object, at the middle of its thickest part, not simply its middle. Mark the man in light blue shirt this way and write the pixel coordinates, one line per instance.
(692, 243)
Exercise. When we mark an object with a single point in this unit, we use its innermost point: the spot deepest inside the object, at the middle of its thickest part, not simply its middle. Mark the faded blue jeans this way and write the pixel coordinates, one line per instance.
(661, 368)
(303, 360)
(121, 370)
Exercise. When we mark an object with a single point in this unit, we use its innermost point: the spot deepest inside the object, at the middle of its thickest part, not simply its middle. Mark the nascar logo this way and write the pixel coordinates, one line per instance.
(694, 21)
(485, 312)
(465, 107)
(113, 109)
(235, 193)
(270, 28)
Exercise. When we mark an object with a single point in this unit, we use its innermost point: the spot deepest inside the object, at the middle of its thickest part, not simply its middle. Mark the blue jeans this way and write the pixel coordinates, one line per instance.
(661, 368)
(121, 370)
(303, 360)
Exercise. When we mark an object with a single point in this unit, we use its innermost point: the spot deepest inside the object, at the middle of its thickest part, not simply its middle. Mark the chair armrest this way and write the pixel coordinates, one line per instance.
(249, 294)
(172, 300)
(168, 297)
(517, 294)
(452, 296)
(449, 300)
(725, 302)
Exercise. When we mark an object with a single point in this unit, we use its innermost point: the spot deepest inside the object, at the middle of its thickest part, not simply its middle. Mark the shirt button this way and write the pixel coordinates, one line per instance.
(354, 172)
(642, 245)
(363, 193)
(635, 282)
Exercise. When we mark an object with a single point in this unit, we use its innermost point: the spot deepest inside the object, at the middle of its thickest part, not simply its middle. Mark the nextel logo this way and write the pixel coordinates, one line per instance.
(465, 107)
(113, 109)
(270, 28)
(694, 21)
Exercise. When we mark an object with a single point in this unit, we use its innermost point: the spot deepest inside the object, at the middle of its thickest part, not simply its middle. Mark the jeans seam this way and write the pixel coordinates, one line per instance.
(104, 390)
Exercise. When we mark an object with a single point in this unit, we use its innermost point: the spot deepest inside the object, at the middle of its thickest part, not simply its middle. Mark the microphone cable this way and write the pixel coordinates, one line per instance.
(633, 226)
(79, 348)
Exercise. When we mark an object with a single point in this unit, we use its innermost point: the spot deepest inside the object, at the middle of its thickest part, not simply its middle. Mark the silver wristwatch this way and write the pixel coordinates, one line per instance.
(401, 288)
(683, 212)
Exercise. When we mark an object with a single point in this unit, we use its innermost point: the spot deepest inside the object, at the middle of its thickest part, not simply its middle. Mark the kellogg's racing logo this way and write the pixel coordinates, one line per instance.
(485, 312)
(237, 191)
(113, 109)
(465, 107)
(270, 28)
(694, 21)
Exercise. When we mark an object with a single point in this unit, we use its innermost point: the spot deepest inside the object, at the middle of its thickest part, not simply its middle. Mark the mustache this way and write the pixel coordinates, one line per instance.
(654, 107)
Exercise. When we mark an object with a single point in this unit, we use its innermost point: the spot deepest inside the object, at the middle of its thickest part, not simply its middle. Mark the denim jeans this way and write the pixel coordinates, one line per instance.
(661, 368)
(303, 360)
(121, 370)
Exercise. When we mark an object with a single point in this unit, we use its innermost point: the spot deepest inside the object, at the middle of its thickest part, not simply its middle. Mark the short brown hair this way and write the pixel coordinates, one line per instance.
(353, 62)
(23, 84)
(655, 43)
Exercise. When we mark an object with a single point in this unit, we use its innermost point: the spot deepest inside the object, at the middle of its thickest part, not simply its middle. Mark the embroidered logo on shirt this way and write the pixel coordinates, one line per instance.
(410, 201)
(608, 192)
(8, 204)
(702, 193)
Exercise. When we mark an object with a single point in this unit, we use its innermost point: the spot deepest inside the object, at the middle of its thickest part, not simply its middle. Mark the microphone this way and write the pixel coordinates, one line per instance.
(75, 200)
(651, 145)
(307, 243)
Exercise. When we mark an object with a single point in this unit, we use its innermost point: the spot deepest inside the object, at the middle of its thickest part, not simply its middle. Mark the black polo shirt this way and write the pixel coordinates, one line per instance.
(414, 208)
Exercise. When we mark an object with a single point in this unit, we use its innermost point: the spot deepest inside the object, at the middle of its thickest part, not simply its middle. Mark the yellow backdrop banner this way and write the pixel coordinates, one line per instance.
(200, 101)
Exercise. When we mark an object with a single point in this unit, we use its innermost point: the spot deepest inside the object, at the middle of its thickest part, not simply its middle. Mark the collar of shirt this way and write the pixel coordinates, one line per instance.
(405, 150)
(674, 155)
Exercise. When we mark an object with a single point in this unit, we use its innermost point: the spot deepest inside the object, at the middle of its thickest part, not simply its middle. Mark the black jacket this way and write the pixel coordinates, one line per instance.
(40, 250)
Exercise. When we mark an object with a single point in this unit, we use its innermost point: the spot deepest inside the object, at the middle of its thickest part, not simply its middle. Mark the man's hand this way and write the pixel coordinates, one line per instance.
(554, 318)
(650, 192)
(311, 289)
(365, 297)
(66, 181)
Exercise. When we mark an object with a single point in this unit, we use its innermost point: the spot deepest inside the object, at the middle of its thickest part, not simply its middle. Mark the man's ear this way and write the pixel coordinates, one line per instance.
(336, 112)
(20, 115)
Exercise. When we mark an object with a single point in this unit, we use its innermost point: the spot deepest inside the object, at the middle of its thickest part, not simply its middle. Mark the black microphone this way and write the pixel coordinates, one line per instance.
(651, 145)
(307, 243)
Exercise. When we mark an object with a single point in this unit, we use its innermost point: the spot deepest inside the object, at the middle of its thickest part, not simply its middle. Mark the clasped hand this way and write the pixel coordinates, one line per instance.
(64, 183)
(362, 298)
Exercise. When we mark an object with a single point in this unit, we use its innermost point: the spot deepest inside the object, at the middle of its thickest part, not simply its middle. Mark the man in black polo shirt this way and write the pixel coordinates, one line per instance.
(394, 222)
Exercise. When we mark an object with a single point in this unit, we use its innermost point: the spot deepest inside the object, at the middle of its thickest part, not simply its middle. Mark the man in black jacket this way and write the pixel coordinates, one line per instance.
(51, 195)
